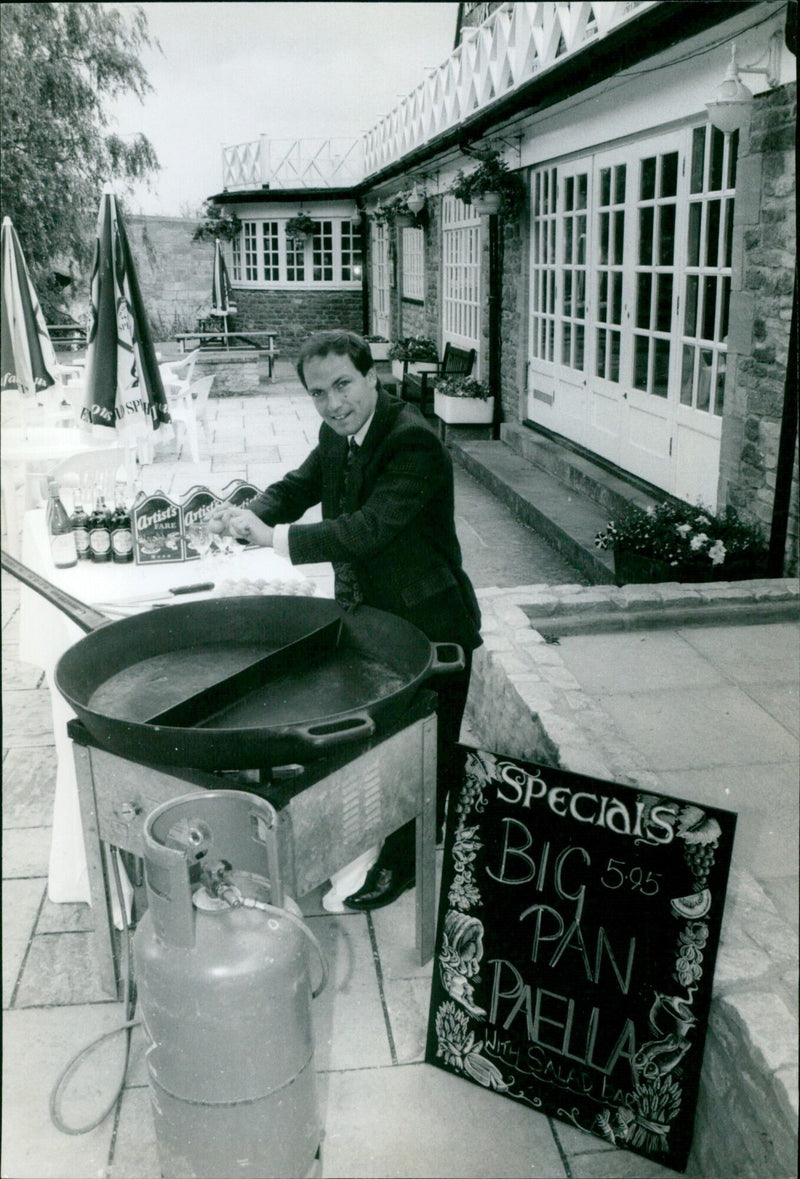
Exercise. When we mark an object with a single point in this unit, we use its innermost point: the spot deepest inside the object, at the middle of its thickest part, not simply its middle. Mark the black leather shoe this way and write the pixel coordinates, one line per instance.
(381, 887)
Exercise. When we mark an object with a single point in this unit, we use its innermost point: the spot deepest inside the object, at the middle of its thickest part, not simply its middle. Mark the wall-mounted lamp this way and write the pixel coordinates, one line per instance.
(732, 100)
(416, 200)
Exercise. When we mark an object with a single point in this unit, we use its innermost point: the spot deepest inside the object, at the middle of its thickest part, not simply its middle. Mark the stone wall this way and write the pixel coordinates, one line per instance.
(174, 272)
(765, 239)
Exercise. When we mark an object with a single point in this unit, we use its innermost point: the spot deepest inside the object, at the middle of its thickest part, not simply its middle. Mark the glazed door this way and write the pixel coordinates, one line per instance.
(380, 281)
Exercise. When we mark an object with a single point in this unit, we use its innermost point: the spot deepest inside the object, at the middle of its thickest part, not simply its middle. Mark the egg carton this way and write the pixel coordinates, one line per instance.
(243, 586)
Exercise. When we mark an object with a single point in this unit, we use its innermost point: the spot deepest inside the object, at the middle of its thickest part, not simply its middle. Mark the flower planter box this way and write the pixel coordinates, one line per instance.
(463, 411)
(414, 366)
(380, 351)
(636, 569)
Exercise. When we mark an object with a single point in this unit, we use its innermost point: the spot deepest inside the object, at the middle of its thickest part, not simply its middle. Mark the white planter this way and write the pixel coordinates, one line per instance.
(414, 366)
(380, 351)
(463, 411)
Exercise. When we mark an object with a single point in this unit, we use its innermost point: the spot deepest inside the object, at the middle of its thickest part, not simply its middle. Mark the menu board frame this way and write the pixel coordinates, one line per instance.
(579, 923)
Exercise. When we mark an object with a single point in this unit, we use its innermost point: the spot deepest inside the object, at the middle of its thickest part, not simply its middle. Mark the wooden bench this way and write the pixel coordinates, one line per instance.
(67, 335)
(418, 387)
(261, 341)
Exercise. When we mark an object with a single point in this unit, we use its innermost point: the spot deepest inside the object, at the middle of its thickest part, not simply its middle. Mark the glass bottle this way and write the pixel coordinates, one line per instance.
(79, 522)
(121, 533)
(99, 530)
(59, 529)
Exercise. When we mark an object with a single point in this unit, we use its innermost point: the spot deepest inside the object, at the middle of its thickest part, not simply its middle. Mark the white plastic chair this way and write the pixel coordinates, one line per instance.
(89, 468)
(179, 372)
(189, 406)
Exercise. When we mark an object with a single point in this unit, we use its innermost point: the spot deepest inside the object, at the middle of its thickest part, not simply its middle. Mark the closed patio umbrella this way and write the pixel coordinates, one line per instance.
(27, 358)
(124, 390)
(221, 304)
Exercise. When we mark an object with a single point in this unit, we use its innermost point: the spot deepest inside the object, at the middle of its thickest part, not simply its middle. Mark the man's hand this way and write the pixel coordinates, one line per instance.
(241, 523)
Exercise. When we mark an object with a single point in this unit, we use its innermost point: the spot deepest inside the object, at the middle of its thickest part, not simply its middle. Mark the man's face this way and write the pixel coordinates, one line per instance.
(343, 397)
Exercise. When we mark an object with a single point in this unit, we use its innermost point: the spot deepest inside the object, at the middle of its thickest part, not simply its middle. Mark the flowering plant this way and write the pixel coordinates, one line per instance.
(492, 175)
(301, 226)
(413, 348)
(462, 387)
(684, 536)
(375, 340)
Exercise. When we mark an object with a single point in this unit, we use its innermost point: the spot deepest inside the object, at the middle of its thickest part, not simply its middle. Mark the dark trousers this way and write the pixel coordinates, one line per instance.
(398, 851)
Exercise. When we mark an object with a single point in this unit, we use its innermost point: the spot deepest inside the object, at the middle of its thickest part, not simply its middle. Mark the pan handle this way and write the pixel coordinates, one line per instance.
(76, 610)
(447, 657)
(356, 726)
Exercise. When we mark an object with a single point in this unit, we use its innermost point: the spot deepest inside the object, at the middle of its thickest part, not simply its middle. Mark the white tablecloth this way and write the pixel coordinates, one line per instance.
(46, 632)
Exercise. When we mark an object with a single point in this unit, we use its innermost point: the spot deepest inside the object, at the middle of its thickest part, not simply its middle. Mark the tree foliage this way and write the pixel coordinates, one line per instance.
(61, 63)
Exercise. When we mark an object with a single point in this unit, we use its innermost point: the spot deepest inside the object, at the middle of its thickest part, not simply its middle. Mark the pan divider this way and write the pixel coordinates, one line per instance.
(209, 702)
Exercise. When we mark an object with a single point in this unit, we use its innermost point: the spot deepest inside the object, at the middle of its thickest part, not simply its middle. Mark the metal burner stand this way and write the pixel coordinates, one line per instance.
(329, 812)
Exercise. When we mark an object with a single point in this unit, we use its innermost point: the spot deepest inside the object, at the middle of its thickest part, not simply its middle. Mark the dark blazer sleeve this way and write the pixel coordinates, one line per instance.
(287, 500)
(403, 477)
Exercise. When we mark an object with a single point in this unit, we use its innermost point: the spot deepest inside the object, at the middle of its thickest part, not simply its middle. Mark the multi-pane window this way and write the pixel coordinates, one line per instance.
(264, 253)
(655, 272)
(323, 252)
(608, 271)
(630, 265)
(543, 250)
(351, 251)
(413, 263)
(461, 273)
(269, 231)
(295, 259)
(706, 307)
(573, 269)
(250, 248)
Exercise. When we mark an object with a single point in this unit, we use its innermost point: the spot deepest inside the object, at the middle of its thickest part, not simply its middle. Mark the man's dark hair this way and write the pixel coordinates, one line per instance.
(340, 342)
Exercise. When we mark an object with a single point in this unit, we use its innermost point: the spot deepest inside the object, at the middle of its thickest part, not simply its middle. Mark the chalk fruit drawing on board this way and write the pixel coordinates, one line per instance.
(578, 929)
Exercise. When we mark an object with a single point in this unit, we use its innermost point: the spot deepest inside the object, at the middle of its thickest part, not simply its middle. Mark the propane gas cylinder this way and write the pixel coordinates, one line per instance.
(222, 968)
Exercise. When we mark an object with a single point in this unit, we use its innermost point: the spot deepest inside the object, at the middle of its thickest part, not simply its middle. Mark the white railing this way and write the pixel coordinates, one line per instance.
(516, 43)
(293, 163)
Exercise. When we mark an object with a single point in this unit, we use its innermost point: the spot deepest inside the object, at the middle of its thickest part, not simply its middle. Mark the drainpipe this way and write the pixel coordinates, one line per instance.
(786, 445)
(495, 308)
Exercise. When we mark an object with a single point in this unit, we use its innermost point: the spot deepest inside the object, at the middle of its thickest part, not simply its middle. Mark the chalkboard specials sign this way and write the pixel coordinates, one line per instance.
(578, 928)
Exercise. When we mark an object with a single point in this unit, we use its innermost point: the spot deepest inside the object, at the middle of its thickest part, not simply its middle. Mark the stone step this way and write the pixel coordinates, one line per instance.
(578, 472)
(568, 520)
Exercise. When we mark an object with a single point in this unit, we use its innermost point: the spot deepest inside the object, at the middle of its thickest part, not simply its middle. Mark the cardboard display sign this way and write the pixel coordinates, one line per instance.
(578, 929)
(196, 505)
(157, 530)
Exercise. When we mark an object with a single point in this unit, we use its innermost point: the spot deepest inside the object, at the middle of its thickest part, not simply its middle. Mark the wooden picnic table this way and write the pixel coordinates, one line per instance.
(262, 341)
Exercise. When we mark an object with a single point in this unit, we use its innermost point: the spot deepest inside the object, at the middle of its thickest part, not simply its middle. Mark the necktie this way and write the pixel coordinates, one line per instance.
(346, 588)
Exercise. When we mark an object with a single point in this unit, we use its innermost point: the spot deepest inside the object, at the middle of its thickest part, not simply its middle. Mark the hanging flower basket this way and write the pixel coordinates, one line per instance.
(491, 179)
(301, 227)
(488, 203)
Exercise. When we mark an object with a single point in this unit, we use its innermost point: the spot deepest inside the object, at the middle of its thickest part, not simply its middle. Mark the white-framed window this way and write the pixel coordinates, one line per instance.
(413, 241)
(265, 256)
(631, 266)
(461, 274)
(707, 295)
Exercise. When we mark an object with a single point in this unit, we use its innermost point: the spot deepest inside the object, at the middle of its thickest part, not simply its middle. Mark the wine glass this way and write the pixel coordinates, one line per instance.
(224, 545)
(200, 539)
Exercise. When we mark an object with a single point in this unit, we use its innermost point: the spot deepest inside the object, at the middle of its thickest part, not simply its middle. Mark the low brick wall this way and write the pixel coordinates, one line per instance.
(526, 703)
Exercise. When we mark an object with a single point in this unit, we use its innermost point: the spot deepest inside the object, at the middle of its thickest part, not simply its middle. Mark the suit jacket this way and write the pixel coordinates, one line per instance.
(400, 534)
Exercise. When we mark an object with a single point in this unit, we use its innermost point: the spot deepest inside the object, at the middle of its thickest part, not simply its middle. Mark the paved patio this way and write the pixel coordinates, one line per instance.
(385, 1112)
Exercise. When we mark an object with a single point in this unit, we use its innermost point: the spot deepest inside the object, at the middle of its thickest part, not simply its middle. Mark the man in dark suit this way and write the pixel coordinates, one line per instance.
(388, 528)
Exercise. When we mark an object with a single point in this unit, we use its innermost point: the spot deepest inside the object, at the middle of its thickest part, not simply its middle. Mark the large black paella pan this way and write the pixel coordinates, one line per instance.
(229, 683)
